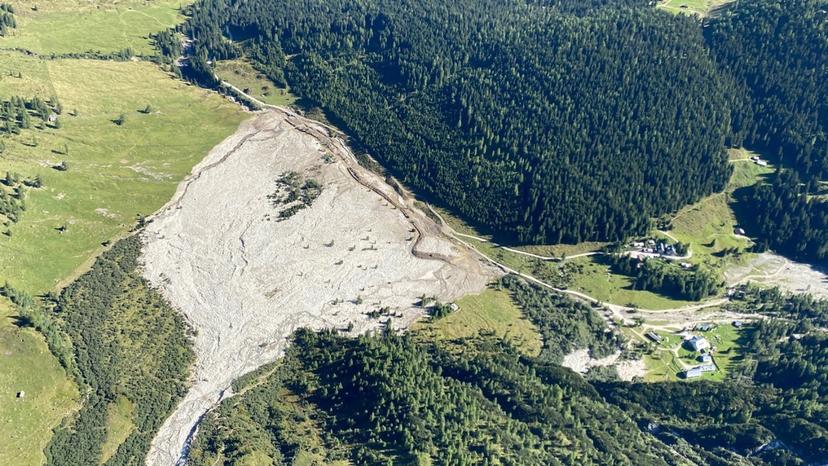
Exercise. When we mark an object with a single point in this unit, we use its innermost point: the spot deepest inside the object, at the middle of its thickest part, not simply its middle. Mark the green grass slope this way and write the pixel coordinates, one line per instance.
(116, 172)
(63, 26)
(26, 365)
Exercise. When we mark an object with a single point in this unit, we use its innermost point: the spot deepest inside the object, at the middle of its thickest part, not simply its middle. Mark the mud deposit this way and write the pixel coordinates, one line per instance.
(246, 279)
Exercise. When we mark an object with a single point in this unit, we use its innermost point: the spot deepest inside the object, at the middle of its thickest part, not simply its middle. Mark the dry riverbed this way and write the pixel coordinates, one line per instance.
(246, 279)
(774, 270)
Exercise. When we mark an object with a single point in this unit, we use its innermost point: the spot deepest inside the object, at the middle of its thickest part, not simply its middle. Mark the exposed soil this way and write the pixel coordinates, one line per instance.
(774, 270)
(245, 281)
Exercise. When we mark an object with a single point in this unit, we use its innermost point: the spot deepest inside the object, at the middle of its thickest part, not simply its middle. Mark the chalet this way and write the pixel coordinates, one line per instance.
(708, 367)
(705, 358)
(738, 323)
(697, 343)
(739, 231)
(704, 327)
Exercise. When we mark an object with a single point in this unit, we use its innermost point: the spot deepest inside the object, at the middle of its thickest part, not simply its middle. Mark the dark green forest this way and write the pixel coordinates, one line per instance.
(389, 399)
(777, 53)
(550, 121)
(786, 218)
(540, 121)
(564, 324)
(126, 341)
(667, 278)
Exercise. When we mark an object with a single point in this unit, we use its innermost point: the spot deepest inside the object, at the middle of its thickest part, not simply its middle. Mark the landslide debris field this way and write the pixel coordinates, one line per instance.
(247, 267)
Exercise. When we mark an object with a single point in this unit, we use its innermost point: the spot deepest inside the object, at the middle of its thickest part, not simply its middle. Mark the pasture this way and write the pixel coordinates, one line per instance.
(63, 26)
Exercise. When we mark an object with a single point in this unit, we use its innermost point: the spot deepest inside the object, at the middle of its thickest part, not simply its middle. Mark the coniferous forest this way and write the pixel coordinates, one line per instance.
(389, 399)
(777, 52)
(541, 121)
(551, 121)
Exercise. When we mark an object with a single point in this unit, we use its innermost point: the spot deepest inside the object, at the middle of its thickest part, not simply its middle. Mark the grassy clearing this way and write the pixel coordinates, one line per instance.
(708, 226)
(27, 365)
(695, 7)
(242, 75)
(119, 425)
(563, 250)
(63, 26)
(492, 310)
(596, 280)
(116, 172)
(669, 358)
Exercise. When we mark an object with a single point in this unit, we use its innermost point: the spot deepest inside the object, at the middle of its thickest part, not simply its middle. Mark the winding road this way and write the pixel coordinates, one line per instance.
(686, 315)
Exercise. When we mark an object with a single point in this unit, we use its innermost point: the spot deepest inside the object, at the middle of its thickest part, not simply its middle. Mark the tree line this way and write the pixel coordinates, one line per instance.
(541, 121)
(667, 278)
(119, 339)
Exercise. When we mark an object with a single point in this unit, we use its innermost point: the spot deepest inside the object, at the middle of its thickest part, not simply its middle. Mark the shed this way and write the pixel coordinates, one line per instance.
(653, 336)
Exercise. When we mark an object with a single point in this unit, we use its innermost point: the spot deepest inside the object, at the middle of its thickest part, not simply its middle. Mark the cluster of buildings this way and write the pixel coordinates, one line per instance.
(702, 346)
(652, 246)
(758, 161)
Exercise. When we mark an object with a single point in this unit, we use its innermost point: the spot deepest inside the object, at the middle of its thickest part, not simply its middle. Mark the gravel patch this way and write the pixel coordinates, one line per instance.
(245, 280)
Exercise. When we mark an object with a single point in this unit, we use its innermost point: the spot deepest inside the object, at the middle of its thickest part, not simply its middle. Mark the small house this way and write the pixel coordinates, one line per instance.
(693, 373)
(710, 367)
(21, 394)
(738, 323)
(705, 358)
(704, 327)
(653, 336)
(739, 231)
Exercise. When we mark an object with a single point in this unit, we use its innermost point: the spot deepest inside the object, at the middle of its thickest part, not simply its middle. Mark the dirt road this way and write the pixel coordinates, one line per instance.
(245, 280)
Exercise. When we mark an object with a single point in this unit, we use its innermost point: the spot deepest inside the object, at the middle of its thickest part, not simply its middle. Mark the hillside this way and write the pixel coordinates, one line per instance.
(541, 122)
